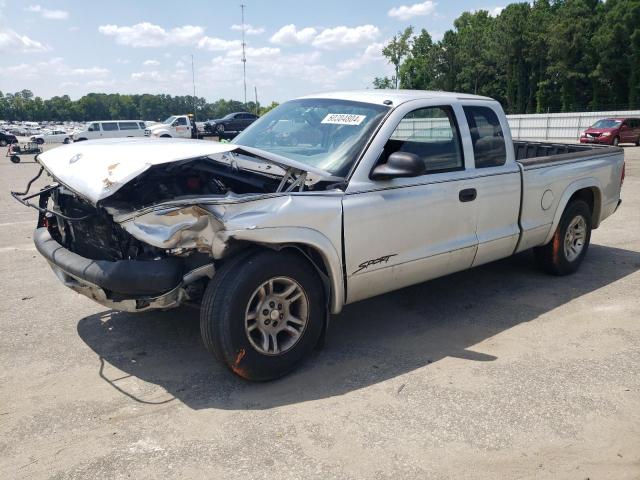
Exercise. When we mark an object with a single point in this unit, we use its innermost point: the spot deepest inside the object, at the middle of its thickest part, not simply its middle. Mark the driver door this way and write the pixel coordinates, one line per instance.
(402, 231)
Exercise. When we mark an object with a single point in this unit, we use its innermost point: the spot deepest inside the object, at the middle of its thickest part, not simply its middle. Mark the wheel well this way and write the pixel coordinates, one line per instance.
(591, 196)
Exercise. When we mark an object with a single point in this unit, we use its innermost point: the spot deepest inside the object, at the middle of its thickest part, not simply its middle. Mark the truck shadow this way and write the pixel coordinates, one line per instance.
(371, 341)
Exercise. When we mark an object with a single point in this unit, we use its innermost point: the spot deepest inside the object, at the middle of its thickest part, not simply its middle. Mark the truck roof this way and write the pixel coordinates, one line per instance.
(379, 96)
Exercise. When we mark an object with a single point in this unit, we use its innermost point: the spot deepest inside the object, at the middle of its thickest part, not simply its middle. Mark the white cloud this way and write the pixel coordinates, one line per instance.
(248, 29)
(146, 34)
(48, 14)
(338, 37)
(151, 63)
(492, 11)
(153, 76)
(371, 54)
(290, 35)
(55, 66)
(12, 41)
(404, 12)
(218, 44)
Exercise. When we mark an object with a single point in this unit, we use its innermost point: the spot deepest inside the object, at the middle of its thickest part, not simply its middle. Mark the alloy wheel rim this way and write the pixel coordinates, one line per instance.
(574, 238)
(276, 316)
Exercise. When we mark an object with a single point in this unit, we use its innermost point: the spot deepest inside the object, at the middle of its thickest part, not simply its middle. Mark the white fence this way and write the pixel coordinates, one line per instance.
(558, 127)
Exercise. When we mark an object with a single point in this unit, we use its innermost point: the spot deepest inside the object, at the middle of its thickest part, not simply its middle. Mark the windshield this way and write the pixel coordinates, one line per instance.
(228, 116)
(323, 133)
(169, 120)
(606, 123)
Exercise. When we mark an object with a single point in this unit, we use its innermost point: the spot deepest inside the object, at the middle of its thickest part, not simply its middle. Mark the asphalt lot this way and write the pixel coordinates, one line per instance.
(497, 372)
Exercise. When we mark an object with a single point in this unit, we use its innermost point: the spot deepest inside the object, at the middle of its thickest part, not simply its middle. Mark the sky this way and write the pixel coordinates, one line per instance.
(293, 48)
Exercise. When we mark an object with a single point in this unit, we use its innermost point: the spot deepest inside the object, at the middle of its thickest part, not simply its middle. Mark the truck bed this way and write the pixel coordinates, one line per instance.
(530, 154)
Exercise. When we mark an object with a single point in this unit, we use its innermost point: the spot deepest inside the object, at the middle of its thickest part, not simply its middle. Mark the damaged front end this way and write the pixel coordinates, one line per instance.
(156, 240)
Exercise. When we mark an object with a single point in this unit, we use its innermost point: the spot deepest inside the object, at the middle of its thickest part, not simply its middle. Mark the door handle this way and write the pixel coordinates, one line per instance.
(468, 195)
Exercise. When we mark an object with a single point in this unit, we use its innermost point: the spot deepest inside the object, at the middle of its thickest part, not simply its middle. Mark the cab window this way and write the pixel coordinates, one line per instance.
(432, 134)
(487, 138)
(94, 127)
(128, 125)
(181, 121)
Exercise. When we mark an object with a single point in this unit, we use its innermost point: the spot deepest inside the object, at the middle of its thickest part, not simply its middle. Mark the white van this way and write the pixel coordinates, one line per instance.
(110, 129)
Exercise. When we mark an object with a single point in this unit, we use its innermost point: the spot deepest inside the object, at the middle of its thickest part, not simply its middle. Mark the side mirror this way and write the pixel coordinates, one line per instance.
(174, 124)
(399, 165)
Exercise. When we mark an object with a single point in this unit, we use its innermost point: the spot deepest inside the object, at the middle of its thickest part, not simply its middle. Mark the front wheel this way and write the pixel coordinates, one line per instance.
(263, 314)
(220, 129)
(40, 141)
(616, 141)
(66, 141)
(566, 250)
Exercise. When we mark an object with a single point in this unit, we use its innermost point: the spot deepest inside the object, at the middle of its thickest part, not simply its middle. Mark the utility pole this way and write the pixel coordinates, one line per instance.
(193, 79)
(257, 104)
(244, 58)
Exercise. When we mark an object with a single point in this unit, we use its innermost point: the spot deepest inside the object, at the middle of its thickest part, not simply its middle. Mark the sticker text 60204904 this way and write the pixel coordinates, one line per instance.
(343, 119)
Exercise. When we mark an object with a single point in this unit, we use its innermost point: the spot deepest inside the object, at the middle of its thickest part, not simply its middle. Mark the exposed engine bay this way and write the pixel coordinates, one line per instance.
(90, 230)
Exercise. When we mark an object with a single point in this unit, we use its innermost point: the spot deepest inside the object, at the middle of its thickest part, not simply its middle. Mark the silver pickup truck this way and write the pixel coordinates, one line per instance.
(326, 200)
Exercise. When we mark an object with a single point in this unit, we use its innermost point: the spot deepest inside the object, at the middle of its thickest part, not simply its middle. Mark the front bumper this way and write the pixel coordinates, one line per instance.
(128, 285)
(608, 140)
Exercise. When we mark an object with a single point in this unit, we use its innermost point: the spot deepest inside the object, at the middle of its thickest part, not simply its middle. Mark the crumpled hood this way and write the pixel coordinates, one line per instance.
(96, 169)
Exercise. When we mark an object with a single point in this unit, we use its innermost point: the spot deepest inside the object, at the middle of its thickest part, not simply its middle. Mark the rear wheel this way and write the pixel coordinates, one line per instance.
(263, 314)
(165, 136)
(566, 250)
(3, 143)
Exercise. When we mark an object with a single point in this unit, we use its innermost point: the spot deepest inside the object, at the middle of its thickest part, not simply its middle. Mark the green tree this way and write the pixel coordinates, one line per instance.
(397, 49)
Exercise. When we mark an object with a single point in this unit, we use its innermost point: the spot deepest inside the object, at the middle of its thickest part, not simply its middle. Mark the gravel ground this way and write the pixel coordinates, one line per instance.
(497, 372)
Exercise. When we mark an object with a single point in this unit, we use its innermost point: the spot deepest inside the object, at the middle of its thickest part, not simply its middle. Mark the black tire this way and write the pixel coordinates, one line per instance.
(552, 257)
(80, 140)
(66, 141)
(227, 298)
(220, 129)
(3, 143)
(14, 159)
(39, 141)
(616, 141)
(165, 136)
(638, 141)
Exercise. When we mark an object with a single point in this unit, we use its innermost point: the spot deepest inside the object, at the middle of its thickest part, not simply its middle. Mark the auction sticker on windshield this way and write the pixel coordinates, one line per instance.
(343, 119)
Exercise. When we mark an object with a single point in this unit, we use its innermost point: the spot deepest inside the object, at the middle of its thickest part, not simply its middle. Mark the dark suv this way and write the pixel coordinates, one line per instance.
(234, 122)
(612, 131)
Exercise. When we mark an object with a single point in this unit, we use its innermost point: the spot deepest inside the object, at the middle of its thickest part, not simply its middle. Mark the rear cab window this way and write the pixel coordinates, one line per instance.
(487, 138)
(128, 125)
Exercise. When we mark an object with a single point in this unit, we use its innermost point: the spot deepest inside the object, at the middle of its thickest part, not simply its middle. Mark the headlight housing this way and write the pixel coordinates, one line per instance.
(606, 134)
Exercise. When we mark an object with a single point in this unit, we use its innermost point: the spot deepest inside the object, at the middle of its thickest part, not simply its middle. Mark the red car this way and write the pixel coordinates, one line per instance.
(612, 131)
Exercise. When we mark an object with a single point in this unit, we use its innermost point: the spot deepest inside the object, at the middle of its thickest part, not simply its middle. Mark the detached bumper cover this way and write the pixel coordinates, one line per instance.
(132, 278)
